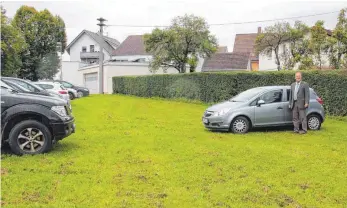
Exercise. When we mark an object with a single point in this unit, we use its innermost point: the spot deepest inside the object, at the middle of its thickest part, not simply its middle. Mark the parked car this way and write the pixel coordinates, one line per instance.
(54, 87)
(25, 86)
(260, 107)
(81, 91)
(31, 123)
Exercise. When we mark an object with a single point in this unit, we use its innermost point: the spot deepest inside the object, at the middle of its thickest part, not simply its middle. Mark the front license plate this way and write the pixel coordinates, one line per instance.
(205, 120)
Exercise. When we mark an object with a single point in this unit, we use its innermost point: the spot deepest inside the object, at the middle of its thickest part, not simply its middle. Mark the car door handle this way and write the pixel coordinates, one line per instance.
(280, 108)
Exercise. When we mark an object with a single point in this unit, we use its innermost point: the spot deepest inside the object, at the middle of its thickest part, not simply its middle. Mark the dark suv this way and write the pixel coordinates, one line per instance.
(31, 124)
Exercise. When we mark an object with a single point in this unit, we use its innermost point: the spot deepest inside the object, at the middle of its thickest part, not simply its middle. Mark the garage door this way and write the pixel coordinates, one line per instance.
(91, 82)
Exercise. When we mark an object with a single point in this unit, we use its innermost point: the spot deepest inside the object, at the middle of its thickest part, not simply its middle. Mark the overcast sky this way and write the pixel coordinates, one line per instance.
(79, 15)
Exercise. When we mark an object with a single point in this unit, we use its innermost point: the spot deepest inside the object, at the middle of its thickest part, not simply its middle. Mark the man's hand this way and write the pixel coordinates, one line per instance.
(306, 105)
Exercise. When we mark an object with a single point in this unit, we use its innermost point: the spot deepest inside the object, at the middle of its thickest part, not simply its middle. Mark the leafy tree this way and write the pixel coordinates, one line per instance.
(42, 32)
(187, 38)
(271, 40)
(12, 44)
(49, 66)
(318, 42)
(337, 43)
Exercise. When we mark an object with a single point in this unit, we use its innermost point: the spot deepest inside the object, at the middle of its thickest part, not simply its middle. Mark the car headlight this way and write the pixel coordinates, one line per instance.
(222, 112)
(60, 110)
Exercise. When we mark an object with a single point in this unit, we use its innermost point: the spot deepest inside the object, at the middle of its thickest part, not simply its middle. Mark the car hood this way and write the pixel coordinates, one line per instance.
(24, 98)
(223, 105)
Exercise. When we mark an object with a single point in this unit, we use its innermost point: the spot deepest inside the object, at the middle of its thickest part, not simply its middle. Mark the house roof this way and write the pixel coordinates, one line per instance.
(107, 43)
(222, 49)
(244, 43)
(226, 62)
(132, 45)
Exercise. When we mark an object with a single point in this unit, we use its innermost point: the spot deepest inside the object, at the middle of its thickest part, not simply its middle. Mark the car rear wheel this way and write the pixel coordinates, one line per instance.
(71, 95)
(314, 122)
(240, 125)
(30, 137)
(80, 94)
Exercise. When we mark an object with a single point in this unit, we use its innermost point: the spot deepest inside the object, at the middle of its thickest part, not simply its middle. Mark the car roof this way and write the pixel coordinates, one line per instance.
(275, 87)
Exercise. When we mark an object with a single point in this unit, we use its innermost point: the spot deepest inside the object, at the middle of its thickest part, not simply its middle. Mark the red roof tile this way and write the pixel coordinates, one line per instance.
(226, 62)
(132, 45)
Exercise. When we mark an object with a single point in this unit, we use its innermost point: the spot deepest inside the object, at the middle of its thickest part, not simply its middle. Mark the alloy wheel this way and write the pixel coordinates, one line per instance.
(31, 140)
(239, 126)
(313, 123)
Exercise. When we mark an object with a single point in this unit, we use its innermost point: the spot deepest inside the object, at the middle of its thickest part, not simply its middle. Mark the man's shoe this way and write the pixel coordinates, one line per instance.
(295, 131)
(302, 132)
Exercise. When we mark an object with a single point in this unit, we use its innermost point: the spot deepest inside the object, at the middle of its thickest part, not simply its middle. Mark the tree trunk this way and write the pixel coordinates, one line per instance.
(277, 59)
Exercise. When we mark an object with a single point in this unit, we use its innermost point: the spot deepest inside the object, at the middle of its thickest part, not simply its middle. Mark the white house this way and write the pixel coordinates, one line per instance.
(268, 62)
(86, 46)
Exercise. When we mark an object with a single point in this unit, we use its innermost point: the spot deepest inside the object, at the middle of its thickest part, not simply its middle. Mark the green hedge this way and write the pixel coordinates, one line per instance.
(215, 87)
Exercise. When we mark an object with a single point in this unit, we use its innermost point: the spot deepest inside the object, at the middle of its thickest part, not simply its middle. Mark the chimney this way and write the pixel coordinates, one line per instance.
(259, 30)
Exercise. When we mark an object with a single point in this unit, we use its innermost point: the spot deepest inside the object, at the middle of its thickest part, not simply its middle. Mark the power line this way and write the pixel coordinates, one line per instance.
(234, 23)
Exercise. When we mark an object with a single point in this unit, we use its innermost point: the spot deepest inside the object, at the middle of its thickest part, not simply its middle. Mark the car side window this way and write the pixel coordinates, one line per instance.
(25, 85)
(272, 96)
(67, 85)
(46, 86)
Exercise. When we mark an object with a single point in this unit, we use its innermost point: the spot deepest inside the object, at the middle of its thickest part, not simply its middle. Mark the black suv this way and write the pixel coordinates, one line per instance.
(31, 124)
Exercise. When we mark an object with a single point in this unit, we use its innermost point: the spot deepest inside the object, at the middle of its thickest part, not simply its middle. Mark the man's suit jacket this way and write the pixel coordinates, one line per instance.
(303, 95)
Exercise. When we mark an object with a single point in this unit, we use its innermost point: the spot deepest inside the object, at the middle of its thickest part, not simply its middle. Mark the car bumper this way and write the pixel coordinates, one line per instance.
(215, 123)
(63, 129)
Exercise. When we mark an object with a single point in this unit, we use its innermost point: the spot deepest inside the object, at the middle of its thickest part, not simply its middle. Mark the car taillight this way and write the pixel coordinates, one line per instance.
(63, 92)
(320, 100)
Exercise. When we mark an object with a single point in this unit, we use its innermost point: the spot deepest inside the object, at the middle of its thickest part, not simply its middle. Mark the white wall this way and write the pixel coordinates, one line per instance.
(71, 73)
(119, 69)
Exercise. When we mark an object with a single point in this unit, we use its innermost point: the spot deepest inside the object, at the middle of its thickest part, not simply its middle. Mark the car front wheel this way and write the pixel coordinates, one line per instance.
(30, 137)
(240, 125)
(71, 95)
(314, 122)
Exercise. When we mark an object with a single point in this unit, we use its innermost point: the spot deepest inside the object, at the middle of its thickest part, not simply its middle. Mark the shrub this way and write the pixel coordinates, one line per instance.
(215, 87)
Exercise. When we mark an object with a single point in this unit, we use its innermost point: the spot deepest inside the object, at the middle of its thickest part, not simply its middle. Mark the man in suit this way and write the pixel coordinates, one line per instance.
(298, 102)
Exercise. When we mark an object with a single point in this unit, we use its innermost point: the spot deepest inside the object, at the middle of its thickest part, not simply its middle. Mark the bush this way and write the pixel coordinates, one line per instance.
(216, 87)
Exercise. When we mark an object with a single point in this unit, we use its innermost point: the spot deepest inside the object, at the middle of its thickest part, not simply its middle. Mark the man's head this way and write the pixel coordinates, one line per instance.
(298, 76)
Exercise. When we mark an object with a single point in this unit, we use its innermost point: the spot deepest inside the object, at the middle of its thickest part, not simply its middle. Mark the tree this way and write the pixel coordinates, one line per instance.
(42, 32)
(49, 66)
(337, 43)
(318, 43)
(12, 44)
(181, 44)
(271, 39)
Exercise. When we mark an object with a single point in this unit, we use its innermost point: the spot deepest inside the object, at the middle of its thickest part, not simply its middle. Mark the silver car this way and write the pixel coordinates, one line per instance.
(260, 107)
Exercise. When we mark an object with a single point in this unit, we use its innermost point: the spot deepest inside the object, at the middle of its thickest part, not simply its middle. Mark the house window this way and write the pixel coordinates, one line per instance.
(84, 49)
(91, 48)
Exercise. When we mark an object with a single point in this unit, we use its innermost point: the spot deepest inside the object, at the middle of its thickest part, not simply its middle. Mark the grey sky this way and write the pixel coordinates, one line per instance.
(79, 15)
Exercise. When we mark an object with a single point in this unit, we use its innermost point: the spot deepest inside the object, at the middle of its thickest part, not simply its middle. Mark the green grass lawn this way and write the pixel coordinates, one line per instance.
(135, 152)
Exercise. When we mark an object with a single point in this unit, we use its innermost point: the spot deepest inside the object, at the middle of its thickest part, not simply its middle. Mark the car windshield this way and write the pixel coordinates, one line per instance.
(246, 95)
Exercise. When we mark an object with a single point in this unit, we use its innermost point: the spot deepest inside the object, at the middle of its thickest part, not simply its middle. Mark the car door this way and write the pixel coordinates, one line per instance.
(288, 115)
(272, 111)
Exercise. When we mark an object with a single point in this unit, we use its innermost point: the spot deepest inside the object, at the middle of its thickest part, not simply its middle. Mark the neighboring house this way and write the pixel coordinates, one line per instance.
(227, 62)
(244, 43)
(132, 49)
(86, 46)
(268, 62)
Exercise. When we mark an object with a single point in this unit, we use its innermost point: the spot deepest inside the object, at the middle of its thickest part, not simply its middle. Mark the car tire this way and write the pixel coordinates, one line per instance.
(314, 122)
(240, 125)
(80, 94)
(30, 137)
(71, 95)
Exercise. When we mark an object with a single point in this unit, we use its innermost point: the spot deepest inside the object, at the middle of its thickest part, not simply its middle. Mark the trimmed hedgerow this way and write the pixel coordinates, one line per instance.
(215, 87)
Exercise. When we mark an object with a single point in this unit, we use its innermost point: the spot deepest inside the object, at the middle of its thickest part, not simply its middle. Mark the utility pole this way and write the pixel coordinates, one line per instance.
(101, 56)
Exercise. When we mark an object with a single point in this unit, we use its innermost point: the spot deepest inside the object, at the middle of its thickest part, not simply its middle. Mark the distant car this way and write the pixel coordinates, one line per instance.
(25, 86)
(260, 107)
(81, 91)
(54, 87)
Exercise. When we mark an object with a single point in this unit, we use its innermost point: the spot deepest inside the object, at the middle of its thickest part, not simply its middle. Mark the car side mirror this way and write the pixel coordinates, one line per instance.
(260, 102)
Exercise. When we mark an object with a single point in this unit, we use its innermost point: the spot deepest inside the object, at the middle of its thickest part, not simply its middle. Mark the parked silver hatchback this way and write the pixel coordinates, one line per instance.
(260, 107)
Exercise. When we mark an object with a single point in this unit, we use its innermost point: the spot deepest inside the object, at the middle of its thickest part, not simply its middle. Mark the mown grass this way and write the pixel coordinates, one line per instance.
(135, 152)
